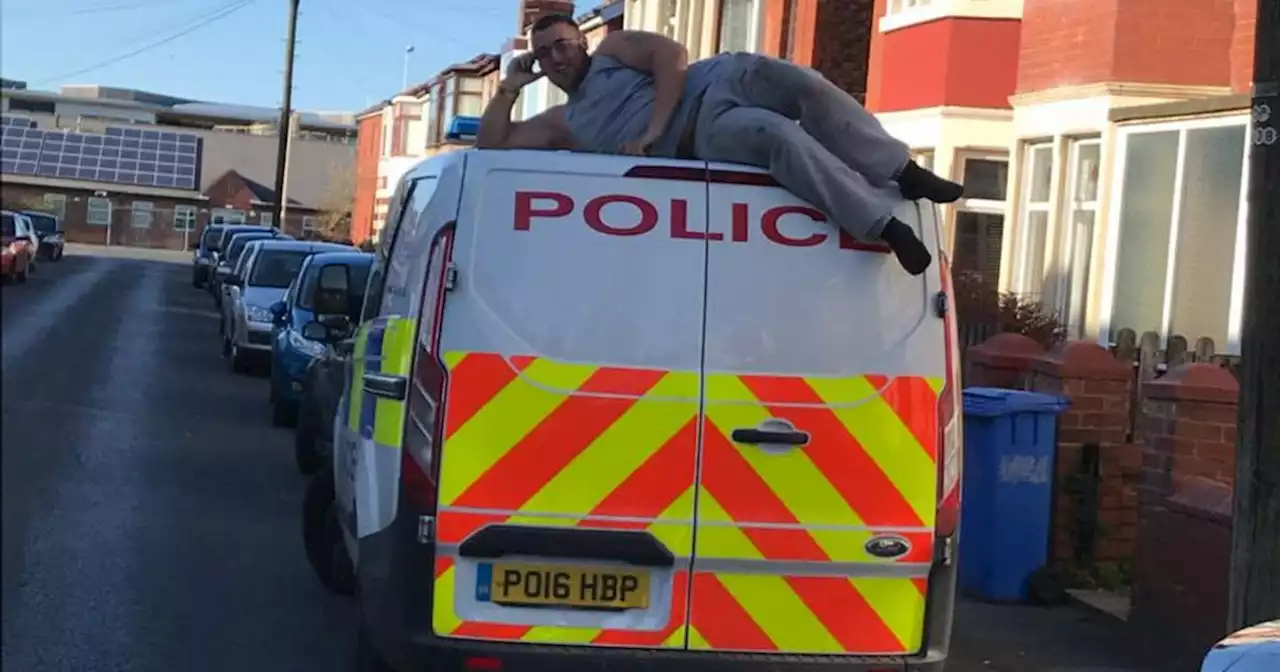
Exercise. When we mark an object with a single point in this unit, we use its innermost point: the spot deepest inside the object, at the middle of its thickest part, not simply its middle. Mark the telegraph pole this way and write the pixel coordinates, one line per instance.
(286, 102)
(1255, 553)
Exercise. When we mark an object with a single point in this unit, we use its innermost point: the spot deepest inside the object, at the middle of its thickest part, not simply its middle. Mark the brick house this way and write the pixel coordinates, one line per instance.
(142, 217)
(397, 133)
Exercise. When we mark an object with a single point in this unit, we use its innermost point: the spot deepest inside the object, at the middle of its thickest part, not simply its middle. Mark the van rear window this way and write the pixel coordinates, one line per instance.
(10, 226)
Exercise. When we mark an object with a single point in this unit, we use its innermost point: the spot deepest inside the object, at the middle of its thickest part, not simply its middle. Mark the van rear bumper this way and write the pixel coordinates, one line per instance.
(452, 654)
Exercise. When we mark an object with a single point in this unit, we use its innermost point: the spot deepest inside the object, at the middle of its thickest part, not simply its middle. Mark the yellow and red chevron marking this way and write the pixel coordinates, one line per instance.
(539, 442)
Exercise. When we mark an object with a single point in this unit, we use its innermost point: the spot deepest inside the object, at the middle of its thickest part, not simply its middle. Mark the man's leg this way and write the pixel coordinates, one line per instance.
(839, 123)
(760, 137)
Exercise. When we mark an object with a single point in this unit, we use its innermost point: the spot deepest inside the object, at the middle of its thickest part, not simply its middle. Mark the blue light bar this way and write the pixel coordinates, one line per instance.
(463, 128)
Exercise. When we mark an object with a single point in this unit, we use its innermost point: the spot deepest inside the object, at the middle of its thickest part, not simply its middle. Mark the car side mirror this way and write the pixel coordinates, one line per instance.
(233, 280)
(316, 331)
(332, 290)
(279, 311)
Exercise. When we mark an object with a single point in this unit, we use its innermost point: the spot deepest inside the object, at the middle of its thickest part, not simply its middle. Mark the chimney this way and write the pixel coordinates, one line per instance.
(531, 10)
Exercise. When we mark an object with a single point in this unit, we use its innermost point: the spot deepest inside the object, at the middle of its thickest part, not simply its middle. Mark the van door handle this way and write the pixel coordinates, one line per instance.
(385, 386)
(777, 437)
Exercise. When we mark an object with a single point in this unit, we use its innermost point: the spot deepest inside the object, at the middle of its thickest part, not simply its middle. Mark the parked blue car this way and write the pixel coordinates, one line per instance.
(291, 351)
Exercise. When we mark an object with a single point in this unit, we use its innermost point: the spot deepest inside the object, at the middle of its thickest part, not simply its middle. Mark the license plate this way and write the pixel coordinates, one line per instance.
(519, 584)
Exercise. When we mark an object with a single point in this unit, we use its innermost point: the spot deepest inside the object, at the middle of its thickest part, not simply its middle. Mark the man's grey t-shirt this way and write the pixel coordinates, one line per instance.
(613, 103)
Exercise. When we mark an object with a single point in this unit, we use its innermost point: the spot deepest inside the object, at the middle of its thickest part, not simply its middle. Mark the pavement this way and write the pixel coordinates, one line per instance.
(151, 512)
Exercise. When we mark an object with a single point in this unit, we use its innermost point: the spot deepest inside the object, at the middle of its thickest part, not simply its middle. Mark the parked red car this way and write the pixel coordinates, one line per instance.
(15, 247)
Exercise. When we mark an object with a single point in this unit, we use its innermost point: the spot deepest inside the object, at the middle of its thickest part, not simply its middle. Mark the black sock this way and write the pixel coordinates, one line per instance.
(909, 249)
(917, 183)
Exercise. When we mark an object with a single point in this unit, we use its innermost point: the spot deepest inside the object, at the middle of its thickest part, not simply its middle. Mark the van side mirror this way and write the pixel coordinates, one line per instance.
(233, 280)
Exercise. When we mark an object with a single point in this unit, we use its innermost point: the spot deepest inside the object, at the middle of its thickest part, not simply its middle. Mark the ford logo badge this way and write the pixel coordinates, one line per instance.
(888, 546)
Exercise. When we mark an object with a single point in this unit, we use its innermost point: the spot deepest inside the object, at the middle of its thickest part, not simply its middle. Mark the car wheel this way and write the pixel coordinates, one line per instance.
(322, 536)
(58, 255)
(236, 359)
(304, 444)
(282, 415)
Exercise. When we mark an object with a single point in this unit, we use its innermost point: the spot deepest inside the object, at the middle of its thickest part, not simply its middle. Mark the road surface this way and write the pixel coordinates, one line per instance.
(150, 511)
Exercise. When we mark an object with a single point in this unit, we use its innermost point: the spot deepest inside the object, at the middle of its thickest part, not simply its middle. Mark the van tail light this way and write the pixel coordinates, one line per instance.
(950, 433)
(424, 417)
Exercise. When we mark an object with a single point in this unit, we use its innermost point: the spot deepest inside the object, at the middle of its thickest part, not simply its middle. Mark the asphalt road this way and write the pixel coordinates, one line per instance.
(151, 512)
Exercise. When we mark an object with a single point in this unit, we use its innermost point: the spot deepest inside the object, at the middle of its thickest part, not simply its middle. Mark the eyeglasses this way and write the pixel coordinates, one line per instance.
(560, 46)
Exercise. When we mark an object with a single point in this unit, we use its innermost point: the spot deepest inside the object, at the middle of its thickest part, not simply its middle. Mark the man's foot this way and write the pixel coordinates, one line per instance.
(917, 183)
(909, 249)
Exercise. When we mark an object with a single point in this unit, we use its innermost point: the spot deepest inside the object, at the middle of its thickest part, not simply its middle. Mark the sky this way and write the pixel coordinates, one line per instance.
(350, 53)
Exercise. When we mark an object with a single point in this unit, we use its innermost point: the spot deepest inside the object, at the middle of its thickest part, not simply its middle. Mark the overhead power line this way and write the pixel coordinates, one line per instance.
(95, 9)
(222, 12)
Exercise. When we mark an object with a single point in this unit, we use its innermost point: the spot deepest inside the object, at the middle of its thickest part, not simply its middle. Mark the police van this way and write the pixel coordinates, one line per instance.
(619, 413)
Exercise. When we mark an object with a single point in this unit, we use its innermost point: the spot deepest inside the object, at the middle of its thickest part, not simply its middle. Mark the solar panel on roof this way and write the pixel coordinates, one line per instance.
(148, 157)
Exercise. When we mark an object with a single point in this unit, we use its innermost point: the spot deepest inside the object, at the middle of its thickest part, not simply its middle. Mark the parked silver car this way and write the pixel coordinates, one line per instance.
(265, 276)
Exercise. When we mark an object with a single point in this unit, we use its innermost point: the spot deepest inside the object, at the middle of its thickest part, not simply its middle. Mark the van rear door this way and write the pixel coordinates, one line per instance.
(573, 341)
(818, 485)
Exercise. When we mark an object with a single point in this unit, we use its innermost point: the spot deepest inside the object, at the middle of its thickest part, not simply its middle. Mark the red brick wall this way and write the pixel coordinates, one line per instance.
(1184, 42)
(958, 61)
(160, 234)
(1242, 41)
(834, 38)
(368, 154)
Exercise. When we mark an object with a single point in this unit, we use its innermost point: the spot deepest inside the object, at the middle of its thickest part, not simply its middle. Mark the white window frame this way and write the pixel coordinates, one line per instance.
(1026, 207)
(184, 217)
(1066, 236)
(58, 202)
(310, 223)
(226, 216)
(754, 33)
(982, 206)
(900, 14)
(141, 214)
(1109, 272)
(98, 203)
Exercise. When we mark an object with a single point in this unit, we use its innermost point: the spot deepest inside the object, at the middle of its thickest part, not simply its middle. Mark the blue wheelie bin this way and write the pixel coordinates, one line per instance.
(1010, 445)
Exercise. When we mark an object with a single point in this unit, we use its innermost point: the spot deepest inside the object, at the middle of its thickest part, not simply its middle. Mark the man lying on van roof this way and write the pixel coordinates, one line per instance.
(637, 94)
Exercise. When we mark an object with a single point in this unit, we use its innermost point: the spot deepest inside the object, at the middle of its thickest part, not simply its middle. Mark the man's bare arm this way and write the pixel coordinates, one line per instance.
(544, 131)
(659, 56)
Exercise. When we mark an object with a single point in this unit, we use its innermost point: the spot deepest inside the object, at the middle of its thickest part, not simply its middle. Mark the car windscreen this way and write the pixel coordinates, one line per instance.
(43, 223)
(238, 243)
(9, 226)
(276, 268)
(211, 237)
(227, 233)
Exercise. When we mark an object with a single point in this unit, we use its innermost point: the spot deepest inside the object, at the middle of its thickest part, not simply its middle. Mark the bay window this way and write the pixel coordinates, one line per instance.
(1175, 247)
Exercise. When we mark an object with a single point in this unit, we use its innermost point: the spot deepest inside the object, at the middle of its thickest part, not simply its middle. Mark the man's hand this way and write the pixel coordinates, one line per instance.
(520, 73)
(639, 146)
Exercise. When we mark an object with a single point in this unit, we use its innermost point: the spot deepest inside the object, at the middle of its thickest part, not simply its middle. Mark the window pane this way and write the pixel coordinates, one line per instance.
(1034, 229)
(1085, 172)
(1078, 246)
(470, 106)
(986, 179)
(735, 25)
(978, 243)
(471, 84)
(1207, 233)
(1040, 173)
(1146, 205)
